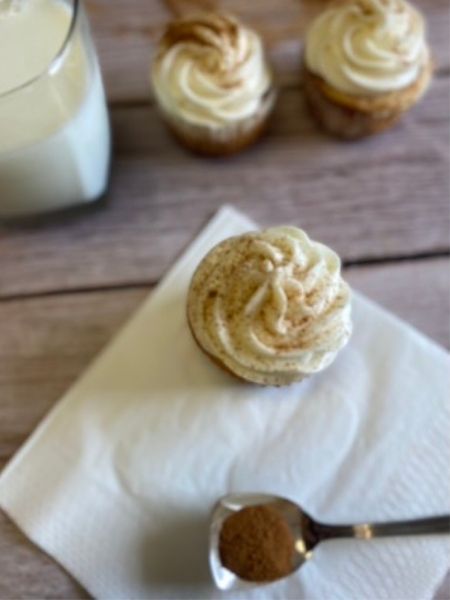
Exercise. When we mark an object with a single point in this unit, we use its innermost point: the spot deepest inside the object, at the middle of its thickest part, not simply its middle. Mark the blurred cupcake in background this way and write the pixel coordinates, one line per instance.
(366, 62)
(212, 83)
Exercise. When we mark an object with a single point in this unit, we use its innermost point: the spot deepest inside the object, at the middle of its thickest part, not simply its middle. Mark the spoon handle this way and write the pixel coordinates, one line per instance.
(367, 531)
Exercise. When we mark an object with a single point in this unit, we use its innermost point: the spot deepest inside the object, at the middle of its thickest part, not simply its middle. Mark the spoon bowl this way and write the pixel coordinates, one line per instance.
(306, 531)
(292, 514)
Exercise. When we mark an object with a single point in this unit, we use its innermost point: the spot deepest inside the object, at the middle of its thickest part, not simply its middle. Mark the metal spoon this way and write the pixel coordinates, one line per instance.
(307, 532)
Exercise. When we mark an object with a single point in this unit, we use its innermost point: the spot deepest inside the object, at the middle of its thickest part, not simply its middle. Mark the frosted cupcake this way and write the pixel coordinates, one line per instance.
(366, 63)
(270, 307)
(212, 83)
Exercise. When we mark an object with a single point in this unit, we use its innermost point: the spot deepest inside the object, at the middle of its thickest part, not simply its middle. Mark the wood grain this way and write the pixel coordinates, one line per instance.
(47, 342)
(126, 33)
(26, 572)
(443, 592)
(380, 200)
(386, 196)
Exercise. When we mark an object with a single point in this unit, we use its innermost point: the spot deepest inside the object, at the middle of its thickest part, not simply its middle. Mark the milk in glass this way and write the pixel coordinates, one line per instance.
(54, 130)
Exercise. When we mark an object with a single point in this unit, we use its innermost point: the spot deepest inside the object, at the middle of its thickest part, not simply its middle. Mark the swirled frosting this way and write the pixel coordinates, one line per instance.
(210, 70)
(367, 46)
(272, 306)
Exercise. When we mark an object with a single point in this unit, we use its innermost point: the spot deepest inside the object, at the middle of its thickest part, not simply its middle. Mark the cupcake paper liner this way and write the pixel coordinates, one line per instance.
(225, 140)
(352, 117)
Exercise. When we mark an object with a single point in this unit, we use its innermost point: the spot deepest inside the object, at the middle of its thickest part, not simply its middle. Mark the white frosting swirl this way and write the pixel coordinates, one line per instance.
(210, 70)
(270, 306)
(368, 46)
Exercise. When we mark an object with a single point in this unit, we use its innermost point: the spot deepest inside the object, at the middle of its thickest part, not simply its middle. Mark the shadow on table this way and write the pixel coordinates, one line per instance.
(57, 217)
(176, 556)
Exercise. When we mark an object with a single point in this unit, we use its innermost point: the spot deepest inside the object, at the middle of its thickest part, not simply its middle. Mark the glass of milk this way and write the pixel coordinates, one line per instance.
(54, 130)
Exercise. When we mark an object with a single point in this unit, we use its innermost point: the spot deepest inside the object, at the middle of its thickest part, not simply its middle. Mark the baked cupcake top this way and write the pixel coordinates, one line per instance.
(210, 70)
(271, 306)
(366, 47)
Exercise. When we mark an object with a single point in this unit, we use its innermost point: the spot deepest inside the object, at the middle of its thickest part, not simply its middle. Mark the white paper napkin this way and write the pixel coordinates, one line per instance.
(118, 481)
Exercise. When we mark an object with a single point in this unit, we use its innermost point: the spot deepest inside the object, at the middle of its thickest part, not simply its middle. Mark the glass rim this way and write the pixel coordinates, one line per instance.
(55, 60)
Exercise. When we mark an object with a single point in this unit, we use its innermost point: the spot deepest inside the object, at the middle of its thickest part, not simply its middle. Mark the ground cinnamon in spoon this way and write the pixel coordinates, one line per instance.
(256, 544)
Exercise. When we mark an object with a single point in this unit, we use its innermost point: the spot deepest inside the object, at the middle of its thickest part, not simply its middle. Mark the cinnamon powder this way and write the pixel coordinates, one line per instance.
(256, 544)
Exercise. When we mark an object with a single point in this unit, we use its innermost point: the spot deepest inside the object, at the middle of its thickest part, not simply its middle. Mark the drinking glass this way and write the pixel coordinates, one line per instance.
(54, 129)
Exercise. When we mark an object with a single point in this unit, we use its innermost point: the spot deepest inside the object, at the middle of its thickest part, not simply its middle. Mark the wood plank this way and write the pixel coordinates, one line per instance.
(48, 352)
(47, 342)
(26, 572)
(443, 593)
(416, 291)
(126, 33)
(45, 345)
(386, 196)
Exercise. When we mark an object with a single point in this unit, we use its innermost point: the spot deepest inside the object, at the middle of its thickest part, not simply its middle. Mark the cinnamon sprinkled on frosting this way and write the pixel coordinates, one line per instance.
(210, 70)
(271, 307)
(368, 46)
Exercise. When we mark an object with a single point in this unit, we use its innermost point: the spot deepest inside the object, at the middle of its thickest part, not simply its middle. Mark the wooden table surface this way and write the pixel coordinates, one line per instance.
(67, 283)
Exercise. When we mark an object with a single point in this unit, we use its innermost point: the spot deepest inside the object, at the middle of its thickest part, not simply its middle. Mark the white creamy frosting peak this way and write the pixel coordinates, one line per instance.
(367, 46)
(271, 306)
(211, 70)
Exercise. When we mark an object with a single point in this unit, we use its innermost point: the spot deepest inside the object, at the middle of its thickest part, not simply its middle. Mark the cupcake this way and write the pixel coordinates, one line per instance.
(212, 83)
(270, 307)
(366, 62)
